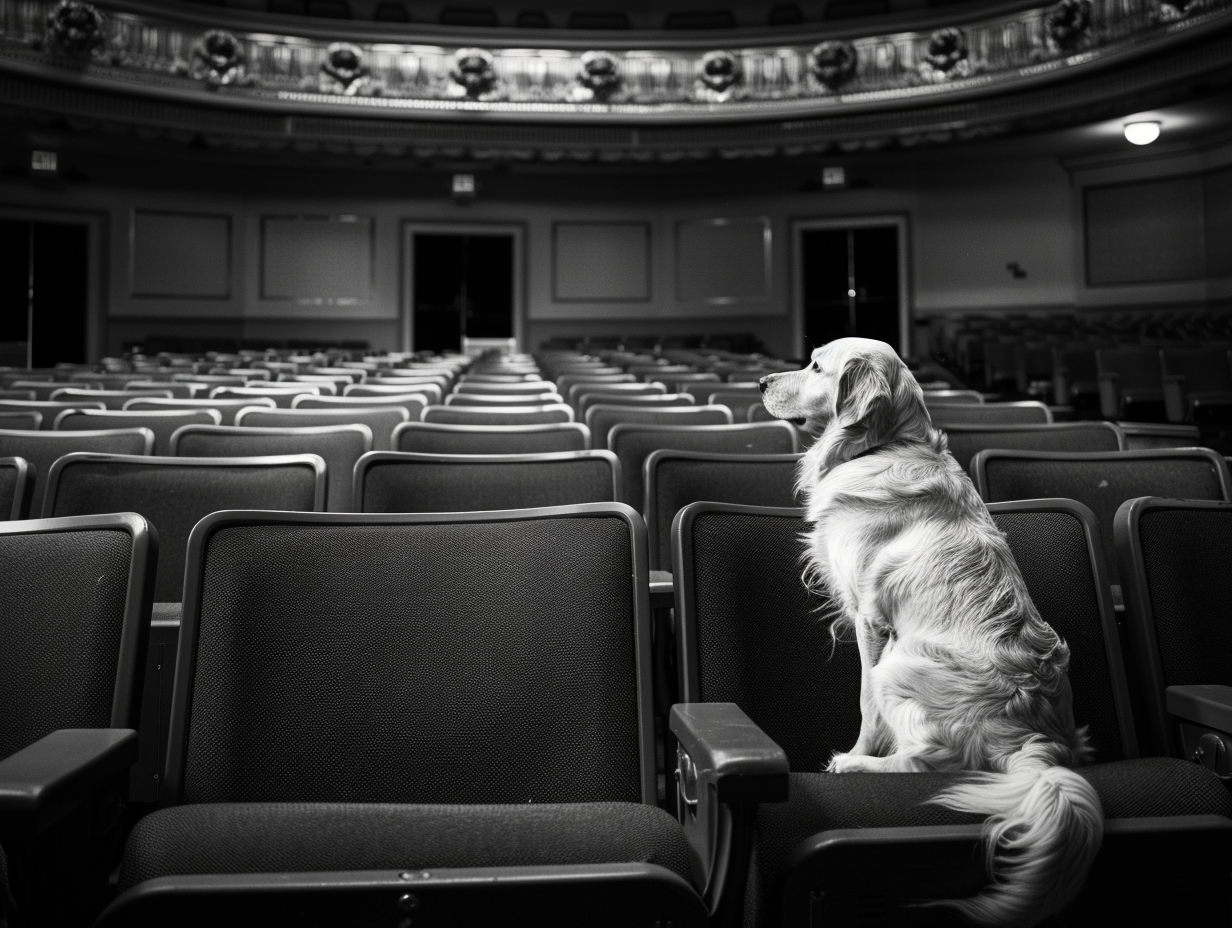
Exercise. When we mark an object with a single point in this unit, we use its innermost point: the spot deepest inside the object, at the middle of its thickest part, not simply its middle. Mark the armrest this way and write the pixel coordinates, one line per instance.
(725, 747)
(40, 783)
(1209, 705)
(1174, 396)
(725, 766)
(1109, 395)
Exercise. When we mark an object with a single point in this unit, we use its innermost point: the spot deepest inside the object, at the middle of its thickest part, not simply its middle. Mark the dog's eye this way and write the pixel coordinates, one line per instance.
(816, 368)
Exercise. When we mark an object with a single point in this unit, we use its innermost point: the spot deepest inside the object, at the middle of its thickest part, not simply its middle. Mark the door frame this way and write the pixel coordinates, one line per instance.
(96, 281)
(413, 227)
(799, 226)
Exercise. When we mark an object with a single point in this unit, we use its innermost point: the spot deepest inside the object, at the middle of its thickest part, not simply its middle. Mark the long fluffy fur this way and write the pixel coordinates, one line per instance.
(958, 670)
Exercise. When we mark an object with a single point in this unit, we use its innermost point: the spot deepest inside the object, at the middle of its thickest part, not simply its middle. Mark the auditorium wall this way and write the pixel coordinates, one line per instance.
(303, 256)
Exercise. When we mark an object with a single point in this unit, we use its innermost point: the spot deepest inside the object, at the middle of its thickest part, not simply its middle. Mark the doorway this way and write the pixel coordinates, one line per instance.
(464, 283)
(44, 292)
(851, 279)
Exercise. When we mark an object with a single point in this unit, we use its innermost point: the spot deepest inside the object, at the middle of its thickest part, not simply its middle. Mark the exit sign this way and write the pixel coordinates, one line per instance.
(44, 162)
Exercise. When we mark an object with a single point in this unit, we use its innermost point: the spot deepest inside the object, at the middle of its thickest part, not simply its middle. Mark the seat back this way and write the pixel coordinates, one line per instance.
(1024, 413)
(1135, 367)
(674, 479)
(173, 494)
(522, 636)
(512, 415)
(413, 403)
(497, 400)
(16, 482)
(162, 422)
(435, 438)
(111, 399)
(632, 443)
(41, 389)
(178, 390)
(45, 408)
(1202, 368)
(434, 390)
(601, 419)
(283, 399)
(951, 397)
(380, 420)
(567, 381)
(736, 397)
(42, 449)
(226, 408)
(395, 481)
(521, 387)
(22, 421)
(339, 445)
(587, 401)
(1146, 436)
(75, 598)
(583, 388)
(965, 441)
(1174, 567)
(1101, 481)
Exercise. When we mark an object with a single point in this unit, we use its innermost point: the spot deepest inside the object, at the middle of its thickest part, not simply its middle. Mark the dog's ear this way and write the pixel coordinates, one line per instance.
(865, 403)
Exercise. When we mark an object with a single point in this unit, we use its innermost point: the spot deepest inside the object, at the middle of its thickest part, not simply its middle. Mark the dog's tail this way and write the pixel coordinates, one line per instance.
(1044, 828)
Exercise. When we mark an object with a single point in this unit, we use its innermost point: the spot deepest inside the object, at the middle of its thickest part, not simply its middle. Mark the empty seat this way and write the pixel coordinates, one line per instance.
(386, 728)
(42, 449)
(162, 422)
(619, 388)
(226, 408)
(674, 479)
(45, 408)
(42, 389)
(433, 391)
(74, 614)
(587, 401)
(523, 387)
(1197, 384)
(737, 400)
(600, 419)
(493, 400)
(434, 438)
(16, 482)
(178, 389)
(404, 482)
(1130, 382)
(283, 398)
(633, 443)
(21, 395)
(413, 403)
(951, 397)
(111, 399)
(380, 420)
(339, 445)
(965, 441)
(1145, 436)
(1101, 481)
(29, 421)
(175, 493)
(1174, 558)
(1023, 413)
(513, 415)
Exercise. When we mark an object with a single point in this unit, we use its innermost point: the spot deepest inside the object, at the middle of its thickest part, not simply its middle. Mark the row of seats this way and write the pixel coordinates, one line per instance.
(452, 716)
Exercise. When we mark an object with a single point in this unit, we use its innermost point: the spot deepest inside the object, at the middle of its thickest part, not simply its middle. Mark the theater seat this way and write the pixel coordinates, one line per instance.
(436, 438)
(16, 482)
(495, 767)
(853, 849)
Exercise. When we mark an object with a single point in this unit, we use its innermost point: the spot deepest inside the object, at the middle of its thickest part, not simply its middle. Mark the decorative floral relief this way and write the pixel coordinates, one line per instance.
(344, 73)
(1067, 26)
(75, 29)
(833, 64)
(947, 57)
(1180, 9)
(218, 61)
(719, 77)
(473, 74)
(598, 79)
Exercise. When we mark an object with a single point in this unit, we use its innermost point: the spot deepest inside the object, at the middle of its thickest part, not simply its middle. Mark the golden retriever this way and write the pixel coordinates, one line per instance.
(959, 672)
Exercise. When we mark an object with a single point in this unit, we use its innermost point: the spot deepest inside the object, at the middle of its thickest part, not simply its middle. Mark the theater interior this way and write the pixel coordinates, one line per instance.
(393, 530)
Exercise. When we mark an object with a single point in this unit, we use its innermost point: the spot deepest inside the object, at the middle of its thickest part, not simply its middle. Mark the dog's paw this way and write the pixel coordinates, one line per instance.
(849, 763)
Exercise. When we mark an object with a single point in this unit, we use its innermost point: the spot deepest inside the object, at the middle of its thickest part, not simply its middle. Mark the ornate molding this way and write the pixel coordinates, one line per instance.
(71, 40)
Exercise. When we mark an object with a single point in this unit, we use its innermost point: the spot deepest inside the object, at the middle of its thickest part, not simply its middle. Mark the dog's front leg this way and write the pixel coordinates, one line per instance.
(875, 738)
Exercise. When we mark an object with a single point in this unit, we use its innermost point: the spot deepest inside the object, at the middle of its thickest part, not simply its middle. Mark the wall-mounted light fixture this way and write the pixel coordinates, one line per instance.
(1141, 133)
(463, 187)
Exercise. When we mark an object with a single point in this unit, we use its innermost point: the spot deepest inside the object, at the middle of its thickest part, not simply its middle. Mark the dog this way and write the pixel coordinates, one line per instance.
(958, 670)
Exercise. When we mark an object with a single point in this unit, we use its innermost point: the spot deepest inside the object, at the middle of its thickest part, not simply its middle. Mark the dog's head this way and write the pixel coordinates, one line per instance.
(855, 394)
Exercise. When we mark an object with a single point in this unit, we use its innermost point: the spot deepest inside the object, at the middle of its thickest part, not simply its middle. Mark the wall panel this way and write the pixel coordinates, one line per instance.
(600, 262)
(317, 260)
(1149, 232)
(180, 255)
(723, 260)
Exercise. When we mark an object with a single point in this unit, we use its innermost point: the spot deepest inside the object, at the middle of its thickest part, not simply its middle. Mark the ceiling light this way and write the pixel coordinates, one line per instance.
(1141, 133)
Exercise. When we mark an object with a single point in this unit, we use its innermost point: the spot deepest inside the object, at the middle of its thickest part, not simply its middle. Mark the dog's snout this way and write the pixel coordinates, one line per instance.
(763, 383)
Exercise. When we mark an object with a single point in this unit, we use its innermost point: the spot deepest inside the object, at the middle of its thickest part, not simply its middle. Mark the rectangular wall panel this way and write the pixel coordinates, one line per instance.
(180, 255)
(723, 260)
(317, 260)
(1218, 191)
(1148, 232)
(600, 261)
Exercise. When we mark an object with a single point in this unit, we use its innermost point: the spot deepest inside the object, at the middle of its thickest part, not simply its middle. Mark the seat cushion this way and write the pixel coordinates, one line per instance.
(1148, 786)
(307, 837)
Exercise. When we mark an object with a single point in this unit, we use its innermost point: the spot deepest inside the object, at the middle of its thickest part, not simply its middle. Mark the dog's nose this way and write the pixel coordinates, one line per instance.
(763, 383)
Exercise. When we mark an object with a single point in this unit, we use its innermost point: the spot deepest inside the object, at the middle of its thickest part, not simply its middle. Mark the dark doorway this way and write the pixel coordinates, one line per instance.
(850, 285)
(463, 286)
(44, 292)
